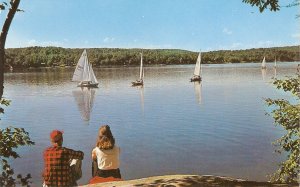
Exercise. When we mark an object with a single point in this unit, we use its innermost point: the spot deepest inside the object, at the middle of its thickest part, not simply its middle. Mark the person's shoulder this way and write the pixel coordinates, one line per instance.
(70, 150)
(116, 147)
(67, 149)
(50, 148)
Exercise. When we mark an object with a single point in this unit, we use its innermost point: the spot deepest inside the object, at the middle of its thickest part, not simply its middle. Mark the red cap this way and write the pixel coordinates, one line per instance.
(56, 135)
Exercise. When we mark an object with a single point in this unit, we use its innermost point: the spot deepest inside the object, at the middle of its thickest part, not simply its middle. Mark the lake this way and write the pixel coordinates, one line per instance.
(169, 126)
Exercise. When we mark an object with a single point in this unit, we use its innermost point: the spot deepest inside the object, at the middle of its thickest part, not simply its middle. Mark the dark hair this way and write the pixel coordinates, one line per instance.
(105, 138)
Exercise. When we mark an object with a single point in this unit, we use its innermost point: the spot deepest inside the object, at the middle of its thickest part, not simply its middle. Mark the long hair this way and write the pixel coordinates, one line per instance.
(105, 138)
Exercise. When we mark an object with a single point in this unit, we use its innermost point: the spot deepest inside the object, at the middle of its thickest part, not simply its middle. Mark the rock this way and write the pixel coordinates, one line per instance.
(189, 181)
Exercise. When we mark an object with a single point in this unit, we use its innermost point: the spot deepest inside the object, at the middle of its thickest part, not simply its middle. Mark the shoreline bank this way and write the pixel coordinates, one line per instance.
(188, 181)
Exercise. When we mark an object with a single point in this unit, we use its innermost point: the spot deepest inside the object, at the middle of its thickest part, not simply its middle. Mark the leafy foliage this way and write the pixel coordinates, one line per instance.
(272, 5)
(288, 116)
(55, 56)
(10, 139)
(264, 4)
(4, 5)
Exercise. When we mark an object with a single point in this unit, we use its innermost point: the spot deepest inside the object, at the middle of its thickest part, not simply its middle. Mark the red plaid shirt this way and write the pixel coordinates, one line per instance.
(57, 170)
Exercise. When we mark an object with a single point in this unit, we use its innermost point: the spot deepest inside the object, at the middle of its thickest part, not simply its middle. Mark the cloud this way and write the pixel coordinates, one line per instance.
(163, 46)
(232, 46)
(34, 42)
(227, 31)
(296, 35)
(258, 44)
(31, 42)
(109, 39)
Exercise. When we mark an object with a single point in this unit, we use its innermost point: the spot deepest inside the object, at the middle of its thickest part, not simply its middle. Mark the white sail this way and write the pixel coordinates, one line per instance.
(84, 99)
(263, 64)
(84, 71)
(275, 63)
(198, 66)
(78, 74)
(92, 75)
(140, 81)
(141, 68)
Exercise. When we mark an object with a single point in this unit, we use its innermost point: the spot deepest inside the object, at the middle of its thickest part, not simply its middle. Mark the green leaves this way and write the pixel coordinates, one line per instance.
(287, 115)
(22, 58)
(4, 6)
(289, 85)
(10, 139)
(7, 178)
(264, 4)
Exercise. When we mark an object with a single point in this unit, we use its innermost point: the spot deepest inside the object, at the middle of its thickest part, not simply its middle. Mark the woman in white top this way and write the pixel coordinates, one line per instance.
(106, 155)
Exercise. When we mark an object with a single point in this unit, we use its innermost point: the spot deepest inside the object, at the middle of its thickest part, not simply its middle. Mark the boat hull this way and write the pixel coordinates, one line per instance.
(137, 83)
(89, 85)
(196, 79)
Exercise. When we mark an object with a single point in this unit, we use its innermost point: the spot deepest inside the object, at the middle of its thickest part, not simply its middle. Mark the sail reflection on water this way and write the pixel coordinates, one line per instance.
(198, 91)
(264, 74)
(275, 72)
(84, 98)
(141, 88)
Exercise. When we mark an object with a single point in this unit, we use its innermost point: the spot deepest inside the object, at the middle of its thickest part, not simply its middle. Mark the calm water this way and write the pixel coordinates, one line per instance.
(170, 126)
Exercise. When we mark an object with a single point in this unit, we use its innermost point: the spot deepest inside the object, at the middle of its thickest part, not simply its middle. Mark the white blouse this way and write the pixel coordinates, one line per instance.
(107, 159)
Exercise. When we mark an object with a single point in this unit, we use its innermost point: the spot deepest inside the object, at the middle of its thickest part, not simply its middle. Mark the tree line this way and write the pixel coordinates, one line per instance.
(57, 56)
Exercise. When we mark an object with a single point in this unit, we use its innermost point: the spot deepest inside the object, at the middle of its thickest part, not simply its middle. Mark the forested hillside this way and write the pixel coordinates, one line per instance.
(56, 56)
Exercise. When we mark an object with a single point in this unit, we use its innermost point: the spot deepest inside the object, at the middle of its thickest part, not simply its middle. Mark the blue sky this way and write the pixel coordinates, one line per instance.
(181, 24)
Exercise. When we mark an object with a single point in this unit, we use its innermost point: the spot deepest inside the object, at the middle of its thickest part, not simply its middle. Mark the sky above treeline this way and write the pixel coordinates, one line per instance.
(194, 25)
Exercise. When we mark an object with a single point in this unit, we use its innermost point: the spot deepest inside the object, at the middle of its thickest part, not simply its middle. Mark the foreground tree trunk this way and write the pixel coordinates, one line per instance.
(11, 13)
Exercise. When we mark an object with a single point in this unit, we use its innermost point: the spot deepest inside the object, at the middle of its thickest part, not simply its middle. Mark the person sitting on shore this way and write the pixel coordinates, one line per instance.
(58, 160)
(106, 155)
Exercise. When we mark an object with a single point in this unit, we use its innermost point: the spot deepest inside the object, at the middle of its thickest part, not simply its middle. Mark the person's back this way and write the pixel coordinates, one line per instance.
(106, 155)
(108, 159)
(57, 171)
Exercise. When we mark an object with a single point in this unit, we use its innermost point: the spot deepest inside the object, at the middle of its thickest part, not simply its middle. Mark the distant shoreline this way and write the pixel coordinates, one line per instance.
(37, 57)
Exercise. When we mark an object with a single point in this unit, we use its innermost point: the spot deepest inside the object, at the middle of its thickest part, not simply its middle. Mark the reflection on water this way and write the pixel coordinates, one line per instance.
(264, 74)
(141, 88)
(160, 127)
(198, 91)
(85, 100)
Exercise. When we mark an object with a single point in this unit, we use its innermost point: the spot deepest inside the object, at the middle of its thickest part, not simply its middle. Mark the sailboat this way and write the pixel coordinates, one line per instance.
(197, 70)
(140, 81)
(84, 73)
(263, 64)
(275, 63)
(85, 100)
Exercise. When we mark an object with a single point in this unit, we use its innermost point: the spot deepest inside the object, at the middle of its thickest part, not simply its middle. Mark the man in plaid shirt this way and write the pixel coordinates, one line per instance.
(57, 160)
